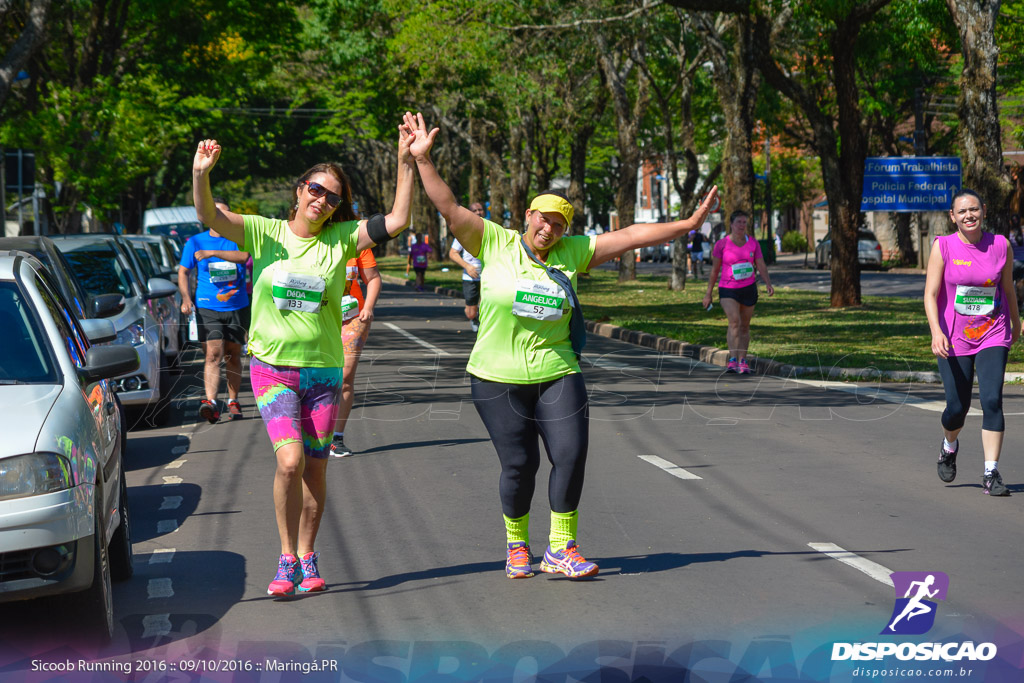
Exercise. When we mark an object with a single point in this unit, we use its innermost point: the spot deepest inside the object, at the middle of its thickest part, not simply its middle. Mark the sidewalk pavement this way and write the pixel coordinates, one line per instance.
(716, 356)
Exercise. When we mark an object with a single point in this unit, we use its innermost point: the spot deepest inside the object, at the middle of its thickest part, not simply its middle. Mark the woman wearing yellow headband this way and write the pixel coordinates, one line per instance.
(524, 368)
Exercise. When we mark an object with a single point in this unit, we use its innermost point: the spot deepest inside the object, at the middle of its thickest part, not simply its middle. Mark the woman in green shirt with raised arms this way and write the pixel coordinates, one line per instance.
(524, 367)
(295, 333)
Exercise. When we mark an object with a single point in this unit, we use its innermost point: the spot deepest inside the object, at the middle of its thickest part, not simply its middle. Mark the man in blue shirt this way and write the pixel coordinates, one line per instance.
(222, 312)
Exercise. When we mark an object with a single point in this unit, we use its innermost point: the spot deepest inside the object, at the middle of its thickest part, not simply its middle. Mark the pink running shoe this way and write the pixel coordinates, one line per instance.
(311, 581)
(732, 366)
(744, 368)
(289, 575)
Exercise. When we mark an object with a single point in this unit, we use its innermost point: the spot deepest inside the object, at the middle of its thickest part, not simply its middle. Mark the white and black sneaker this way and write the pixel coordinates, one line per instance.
(339, 449)
(992, 484)
(947, 464)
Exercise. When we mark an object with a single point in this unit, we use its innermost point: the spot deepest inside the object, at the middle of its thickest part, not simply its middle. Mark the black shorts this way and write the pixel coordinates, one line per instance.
(230, 326)
(747, 296)
(471, 290)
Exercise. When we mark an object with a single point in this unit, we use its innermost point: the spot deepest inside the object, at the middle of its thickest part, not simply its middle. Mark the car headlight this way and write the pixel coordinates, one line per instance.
(33, 475)
(134, 334)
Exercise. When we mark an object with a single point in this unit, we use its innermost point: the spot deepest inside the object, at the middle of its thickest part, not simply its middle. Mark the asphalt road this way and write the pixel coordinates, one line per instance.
(742, 525)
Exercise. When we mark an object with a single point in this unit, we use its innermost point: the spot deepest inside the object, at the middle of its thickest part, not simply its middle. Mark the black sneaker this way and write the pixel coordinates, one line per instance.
(947, 463)
(992, 485)
(339, 449)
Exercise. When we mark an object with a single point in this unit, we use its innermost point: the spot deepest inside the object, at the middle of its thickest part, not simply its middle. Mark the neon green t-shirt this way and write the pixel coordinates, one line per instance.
(524, 315)
(298, 283)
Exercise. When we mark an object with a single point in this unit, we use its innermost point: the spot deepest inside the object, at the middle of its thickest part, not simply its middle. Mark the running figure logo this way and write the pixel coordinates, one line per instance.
(914, 612)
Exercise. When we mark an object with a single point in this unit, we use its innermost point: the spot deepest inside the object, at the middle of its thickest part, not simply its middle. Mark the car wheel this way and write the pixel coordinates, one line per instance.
(96, 603)
(122, 559)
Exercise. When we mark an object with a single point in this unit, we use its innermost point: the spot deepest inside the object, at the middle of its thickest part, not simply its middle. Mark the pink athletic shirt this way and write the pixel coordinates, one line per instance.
(736, 261)
(973, 311)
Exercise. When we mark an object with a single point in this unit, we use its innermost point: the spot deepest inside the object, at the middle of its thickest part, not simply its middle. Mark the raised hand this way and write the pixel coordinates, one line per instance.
(207, 154)
(422, 140)
(405, 138)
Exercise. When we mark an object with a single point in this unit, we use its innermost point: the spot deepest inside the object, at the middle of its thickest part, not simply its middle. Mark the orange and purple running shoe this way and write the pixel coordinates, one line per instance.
(568, 562)
(289, 575)
(311, 581)
(517, 563)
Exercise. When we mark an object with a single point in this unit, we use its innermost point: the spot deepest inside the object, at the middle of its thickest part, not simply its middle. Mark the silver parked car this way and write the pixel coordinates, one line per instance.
(103, 268)
(64, 518)
(869, 251)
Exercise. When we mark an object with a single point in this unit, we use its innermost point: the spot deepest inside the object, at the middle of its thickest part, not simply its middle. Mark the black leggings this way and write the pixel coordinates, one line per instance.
(515, 415)
(958, 380)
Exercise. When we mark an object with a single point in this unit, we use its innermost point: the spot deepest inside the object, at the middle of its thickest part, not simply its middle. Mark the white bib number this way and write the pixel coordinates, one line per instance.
(349, 307)
(222, 271)
(538, 300)
(742, 271)
(294, 292)
(975, 300)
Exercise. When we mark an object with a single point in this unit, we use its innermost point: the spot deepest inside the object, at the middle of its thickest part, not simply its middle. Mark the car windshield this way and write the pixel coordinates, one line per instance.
(866, 235)
(185, 230)
(99, 270)
(24, 356)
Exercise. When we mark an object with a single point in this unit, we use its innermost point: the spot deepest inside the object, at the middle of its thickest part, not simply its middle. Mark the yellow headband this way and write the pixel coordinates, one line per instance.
(553, 203)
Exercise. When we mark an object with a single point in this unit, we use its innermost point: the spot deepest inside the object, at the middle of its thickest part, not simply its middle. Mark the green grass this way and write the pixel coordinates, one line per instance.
(794, 326)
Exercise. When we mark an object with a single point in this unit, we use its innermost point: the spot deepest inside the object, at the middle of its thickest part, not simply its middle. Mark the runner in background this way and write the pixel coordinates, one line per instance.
(470, 273)
(419, 258)
(735, 258)
(222, 312)
(971, 306)
(357, 314)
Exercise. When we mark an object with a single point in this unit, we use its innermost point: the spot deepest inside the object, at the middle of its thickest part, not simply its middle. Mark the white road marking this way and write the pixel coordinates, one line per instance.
(171, 503)
(881, 394)
(412, 337)
(172, 481)
(167, 526)
(159, 588)
(175, 465)
(155, 625)
(872, 569)
(162, 556)
(674, 470)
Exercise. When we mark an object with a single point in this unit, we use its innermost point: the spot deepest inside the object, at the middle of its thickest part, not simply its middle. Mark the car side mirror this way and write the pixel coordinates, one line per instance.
(98, 330)
(158, 288)
(104, 362)
(107, 305)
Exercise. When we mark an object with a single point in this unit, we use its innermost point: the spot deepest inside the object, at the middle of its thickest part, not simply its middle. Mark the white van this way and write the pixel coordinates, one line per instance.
(175, 221)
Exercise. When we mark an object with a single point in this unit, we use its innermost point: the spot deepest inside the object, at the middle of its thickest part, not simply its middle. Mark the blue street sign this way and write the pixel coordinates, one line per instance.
(907, 184)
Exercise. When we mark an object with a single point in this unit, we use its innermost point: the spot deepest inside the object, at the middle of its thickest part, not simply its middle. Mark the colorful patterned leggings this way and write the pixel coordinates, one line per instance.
(297, 404)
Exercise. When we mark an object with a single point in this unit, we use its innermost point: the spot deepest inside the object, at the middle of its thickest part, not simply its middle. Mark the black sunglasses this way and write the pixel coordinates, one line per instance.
(317, 190)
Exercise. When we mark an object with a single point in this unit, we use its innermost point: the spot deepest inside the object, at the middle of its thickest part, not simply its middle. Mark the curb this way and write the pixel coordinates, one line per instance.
(715, 356)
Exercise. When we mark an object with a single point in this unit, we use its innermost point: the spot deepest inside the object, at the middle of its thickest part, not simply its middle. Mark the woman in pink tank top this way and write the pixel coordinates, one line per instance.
(971, 306)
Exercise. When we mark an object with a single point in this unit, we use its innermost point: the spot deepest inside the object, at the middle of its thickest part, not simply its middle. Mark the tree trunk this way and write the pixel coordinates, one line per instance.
(736, 83)
(616, 67)
(521, 144)
(476, 165)
(904, 239)
(842, 172)
(21, 51)
(979, 109)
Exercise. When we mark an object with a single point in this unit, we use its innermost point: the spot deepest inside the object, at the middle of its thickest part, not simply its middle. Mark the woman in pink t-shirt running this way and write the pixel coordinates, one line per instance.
(735, 257)
(971, 306)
